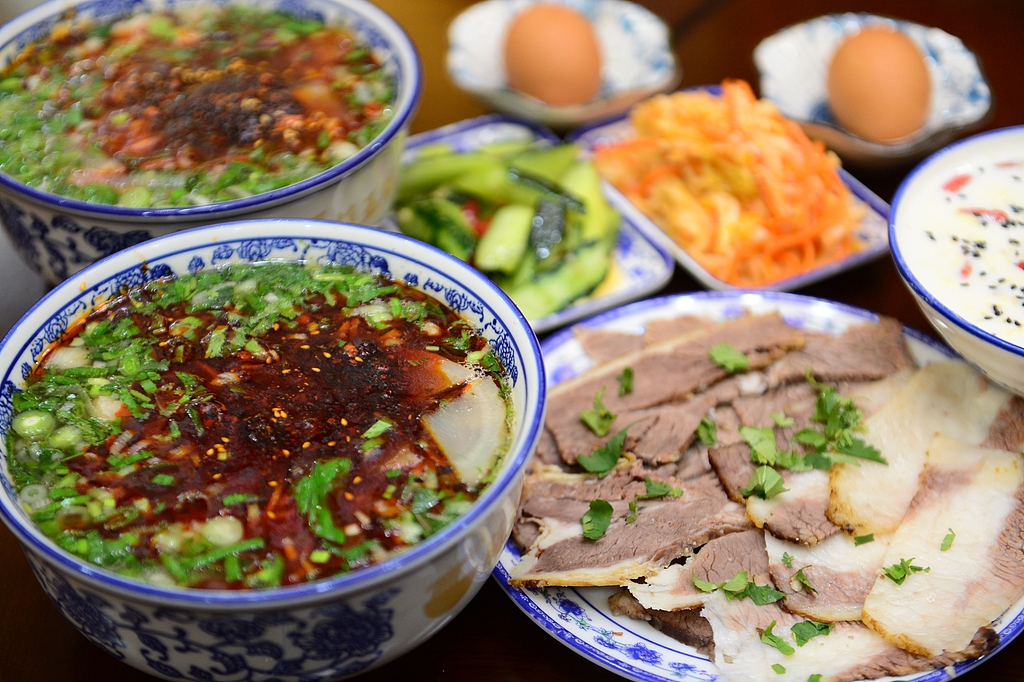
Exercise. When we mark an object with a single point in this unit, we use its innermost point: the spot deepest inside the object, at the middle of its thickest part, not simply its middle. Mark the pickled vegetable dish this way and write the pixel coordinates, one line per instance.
(256, 426)
(188, 106)
(530, 215)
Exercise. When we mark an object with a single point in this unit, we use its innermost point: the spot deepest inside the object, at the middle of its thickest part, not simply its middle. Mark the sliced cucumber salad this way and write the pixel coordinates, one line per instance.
(528, 213)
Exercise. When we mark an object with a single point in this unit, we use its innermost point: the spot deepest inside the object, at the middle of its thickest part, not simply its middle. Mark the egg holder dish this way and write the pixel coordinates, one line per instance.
(58, 236)
(1001, 360)
(326, 629)
(639, 266)
(643, 65)
(793, 66)
(872, 230)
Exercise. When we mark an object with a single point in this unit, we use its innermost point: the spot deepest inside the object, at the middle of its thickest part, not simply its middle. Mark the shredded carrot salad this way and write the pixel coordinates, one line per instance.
(740, 188)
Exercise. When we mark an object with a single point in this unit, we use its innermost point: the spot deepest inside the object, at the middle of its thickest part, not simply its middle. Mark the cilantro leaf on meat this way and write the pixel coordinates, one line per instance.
(707, 432)
(603, 460)
(726, 356)
(625, 381)
(765, 482)
(947, 541)
(597, 519)
(806, 630)
(899, 572)
(600, 419)
(771, 639)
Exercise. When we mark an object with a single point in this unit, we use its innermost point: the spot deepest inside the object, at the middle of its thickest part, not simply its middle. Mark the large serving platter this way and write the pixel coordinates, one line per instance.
(580, 617)
(641, 267)
(872, 231)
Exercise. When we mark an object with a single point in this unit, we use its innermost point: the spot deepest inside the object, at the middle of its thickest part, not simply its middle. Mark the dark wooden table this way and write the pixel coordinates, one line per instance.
(491, 639)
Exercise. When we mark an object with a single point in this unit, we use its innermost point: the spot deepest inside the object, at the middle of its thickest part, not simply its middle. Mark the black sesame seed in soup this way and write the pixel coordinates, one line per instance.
(254, 426)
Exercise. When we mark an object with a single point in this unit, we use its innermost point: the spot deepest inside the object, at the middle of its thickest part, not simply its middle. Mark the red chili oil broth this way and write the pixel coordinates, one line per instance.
(215, 423)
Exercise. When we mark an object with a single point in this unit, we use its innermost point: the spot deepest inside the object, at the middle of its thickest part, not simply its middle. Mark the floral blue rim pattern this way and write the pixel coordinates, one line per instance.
(631, 648)
(897, 255)
(459, 286)
(646, 265)
(364, 18)
(874, 236)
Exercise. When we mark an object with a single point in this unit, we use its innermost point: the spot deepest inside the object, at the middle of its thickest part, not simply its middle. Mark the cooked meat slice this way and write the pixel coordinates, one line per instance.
(978, 493)
(547, 450)
(944, 397)
(665, 528)
(603, 346)
(663, 330)
(795, 401)
(799, 513)
(865, 352)
(686, 626)
(841, 572)
(692, 464)
(1007, 432)
(850, 652)
(733, 467)
(720, 560)
(676, 369)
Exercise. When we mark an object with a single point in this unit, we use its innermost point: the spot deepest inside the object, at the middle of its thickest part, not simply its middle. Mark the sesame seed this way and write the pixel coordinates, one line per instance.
(316, 369)
(306, 445)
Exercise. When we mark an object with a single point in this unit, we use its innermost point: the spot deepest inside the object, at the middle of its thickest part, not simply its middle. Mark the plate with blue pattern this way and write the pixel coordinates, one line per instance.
(580, 617)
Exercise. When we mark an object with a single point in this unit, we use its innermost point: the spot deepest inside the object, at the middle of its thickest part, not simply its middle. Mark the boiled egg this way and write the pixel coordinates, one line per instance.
(878, 85)
(552, 53)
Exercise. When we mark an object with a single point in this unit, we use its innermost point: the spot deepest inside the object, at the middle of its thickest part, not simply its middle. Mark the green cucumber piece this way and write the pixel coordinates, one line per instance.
(412, 224)
(494, 186)
(503, 244)
(549, 189)
(550, 163)
(451, 230)
(423, 175)
(601, 221)
(579, 273)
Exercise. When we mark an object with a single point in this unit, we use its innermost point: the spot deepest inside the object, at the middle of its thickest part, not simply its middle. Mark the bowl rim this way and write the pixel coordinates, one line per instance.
(423, 254)
(912, 282)
(402, 47)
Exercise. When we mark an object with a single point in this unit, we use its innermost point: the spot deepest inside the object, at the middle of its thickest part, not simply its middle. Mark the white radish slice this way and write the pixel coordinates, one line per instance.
(471, 429)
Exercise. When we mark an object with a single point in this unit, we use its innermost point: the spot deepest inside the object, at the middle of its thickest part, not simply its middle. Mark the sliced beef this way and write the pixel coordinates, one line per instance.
(733, 466)
(672, 371)
(692, 464)
(665, 528)
(672, 588)
(866, 352)
(795, 401)
(895, 662)
(603, 346)
(686, 626)
(1007, 431)
(658, 331)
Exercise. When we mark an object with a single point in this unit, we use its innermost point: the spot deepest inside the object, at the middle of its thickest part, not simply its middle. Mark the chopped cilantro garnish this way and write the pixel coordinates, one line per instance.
(787, 559)
(781, 420)
(707, 432)
(771, 639)
(597, 519)
(603, 460)
(762, 444)
(947, 541)
(739, 587)
(625, 381)
(804, 580)
(899, 572)
(378, 427)
(765, 482)
(779, 668)
(599, 419)
(806, 630)
(859, 540)
(655, 489)
(726, 356)
(163, 479)
(816, 677)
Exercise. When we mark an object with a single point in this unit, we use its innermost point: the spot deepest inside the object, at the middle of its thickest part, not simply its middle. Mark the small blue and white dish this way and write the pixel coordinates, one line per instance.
(643, 61)
(327, 629)
(872, 231)
(58, 236)
(640, 267)
(580, 617)
(794, 62)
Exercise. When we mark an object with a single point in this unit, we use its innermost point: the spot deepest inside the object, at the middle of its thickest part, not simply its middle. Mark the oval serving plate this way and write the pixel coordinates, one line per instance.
(640, 266)
(580, 617)
(873, 230)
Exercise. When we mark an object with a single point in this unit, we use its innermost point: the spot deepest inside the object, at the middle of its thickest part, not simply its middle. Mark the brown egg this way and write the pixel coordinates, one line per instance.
(878, 85)
(552, 53)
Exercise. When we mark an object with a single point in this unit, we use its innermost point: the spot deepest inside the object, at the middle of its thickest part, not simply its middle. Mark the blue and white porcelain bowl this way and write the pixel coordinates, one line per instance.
(793, 65)
(952, 234)
(59, 236)
(638, 59)
(328, 629)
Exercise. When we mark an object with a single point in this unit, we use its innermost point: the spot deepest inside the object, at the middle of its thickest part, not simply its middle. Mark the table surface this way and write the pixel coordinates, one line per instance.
(491, 639)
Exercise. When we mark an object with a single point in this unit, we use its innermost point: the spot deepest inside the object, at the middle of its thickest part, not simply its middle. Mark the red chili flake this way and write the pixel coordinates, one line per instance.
(956, 183)
(965, 271)
(471, 210)
(1007, 164)
(1020, 264)
(995, 214)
